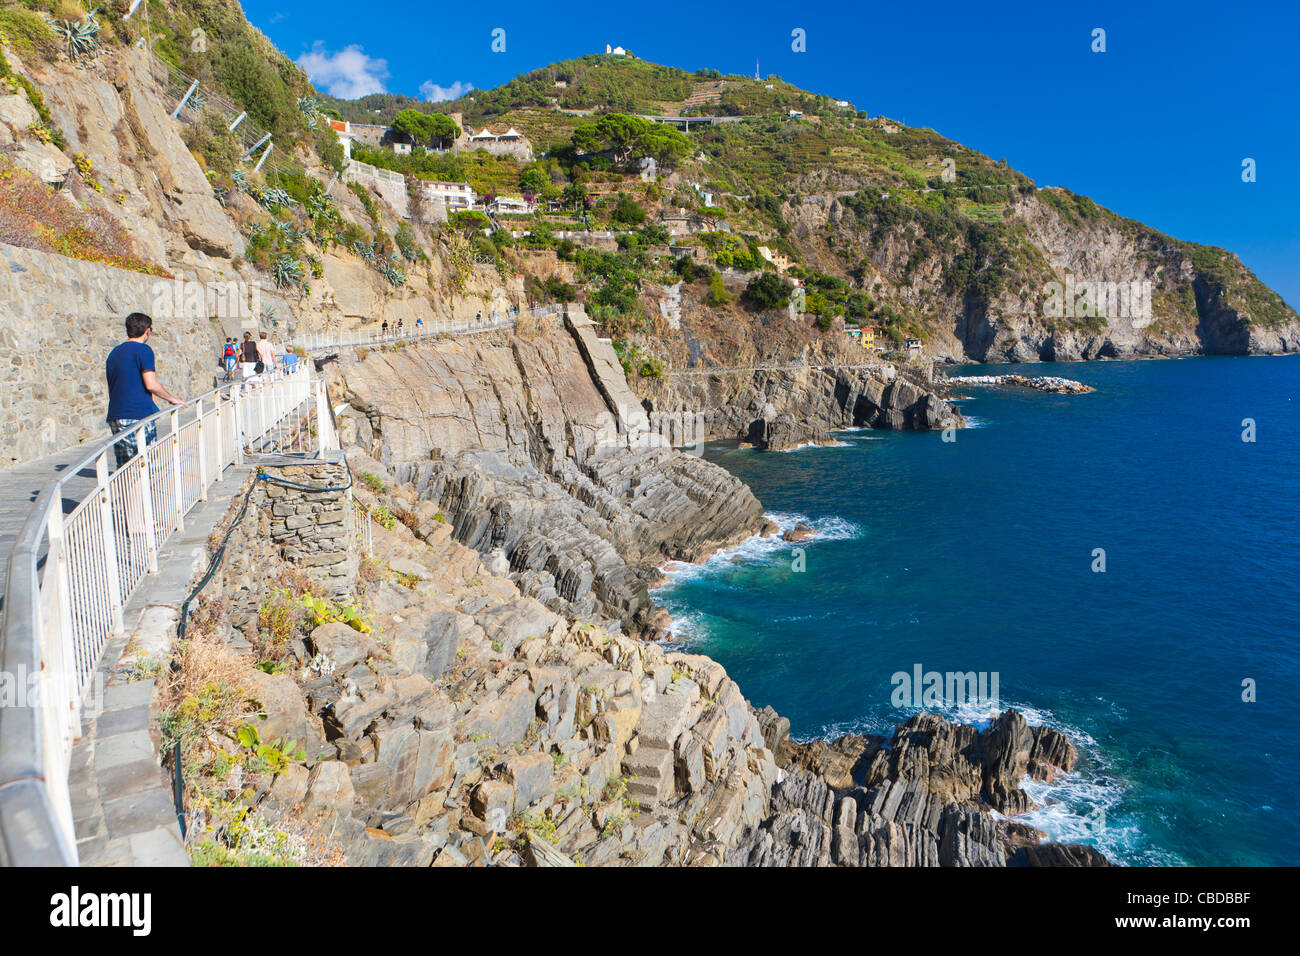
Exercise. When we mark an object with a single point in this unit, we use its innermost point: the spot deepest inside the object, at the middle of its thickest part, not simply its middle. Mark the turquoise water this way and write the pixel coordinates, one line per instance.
(978, 555)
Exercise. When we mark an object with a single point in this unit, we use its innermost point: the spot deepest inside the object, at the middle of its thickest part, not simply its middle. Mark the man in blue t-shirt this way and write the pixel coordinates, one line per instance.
(132, 383)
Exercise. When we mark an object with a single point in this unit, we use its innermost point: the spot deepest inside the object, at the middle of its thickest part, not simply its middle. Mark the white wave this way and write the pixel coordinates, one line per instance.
(756, 548)
(686, 627)
(1085, 806)
(805, 445)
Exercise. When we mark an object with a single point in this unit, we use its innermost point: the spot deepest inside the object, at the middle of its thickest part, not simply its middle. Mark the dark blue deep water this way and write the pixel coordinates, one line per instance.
(977, 555)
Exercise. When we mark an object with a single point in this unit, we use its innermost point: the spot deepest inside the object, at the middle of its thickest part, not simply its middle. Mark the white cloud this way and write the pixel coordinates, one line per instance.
(436, 94)
(347, 74)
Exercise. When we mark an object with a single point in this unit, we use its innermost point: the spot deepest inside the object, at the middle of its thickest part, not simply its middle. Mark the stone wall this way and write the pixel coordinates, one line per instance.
(59, 318)
(313, 529)
(391, 186)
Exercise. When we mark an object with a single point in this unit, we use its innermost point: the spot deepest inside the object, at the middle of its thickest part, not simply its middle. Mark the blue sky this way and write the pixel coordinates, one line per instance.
(1155, 128)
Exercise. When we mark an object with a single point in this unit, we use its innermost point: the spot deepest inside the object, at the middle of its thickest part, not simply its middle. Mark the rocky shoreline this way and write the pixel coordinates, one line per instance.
(459, 722)
(536, 506)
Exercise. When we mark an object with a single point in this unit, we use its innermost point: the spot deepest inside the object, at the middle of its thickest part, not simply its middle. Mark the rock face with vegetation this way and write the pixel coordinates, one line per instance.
(108, 205)
(890, 226)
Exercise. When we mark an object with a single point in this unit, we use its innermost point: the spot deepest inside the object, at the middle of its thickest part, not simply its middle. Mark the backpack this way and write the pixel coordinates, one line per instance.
(229, 350)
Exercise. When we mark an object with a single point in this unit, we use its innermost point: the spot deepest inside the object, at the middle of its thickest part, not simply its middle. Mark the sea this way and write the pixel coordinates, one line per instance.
(1125, 564)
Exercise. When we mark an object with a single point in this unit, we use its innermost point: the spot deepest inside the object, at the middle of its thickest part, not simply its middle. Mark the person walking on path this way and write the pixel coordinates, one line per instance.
(419, 325)
(266, 353)
(229, 359)
(132, 385)
(383, 330)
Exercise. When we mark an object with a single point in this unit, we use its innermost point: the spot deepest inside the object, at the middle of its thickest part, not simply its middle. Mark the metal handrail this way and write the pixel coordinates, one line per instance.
(57, 623)
(320, 342)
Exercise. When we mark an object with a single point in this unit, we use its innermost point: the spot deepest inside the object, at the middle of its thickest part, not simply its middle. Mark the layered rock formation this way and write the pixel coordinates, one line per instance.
(918, 798)
(536, 450)
(466, 724)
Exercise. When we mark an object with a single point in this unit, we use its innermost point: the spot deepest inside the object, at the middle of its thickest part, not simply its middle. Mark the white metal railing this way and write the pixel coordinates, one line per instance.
(322, 341)
(57, 623)
(359, 170)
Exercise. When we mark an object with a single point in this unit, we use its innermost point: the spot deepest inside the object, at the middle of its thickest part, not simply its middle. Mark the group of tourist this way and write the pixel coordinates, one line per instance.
(256, 357)
(133, 380)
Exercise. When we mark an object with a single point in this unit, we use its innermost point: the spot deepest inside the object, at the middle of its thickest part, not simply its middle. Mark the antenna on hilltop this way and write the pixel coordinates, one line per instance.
(756, 76)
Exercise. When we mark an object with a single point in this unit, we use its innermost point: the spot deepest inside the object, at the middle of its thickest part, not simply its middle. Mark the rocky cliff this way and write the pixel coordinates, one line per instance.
(541, 459)
(105, 209)
(1050, 276)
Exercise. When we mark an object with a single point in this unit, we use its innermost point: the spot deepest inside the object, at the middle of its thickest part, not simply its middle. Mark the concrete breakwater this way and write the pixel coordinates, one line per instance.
(1043, 383)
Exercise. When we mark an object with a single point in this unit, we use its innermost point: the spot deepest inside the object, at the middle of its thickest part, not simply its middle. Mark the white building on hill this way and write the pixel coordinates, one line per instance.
(451, 195)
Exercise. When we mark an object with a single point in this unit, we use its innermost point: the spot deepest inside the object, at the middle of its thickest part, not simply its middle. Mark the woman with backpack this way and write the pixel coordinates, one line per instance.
(229, 359)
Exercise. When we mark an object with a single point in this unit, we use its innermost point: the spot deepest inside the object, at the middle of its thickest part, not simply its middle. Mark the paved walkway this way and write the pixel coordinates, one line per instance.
(122, 802)
(21, 484)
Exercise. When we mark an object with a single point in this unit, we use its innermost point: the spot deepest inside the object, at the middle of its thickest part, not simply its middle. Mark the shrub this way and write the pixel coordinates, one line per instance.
(769, 291)
(718, 294)
(627, 212)
(34, 215)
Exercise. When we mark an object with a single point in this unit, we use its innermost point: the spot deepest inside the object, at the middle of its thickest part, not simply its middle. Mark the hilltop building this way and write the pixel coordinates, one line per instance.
(497, 141)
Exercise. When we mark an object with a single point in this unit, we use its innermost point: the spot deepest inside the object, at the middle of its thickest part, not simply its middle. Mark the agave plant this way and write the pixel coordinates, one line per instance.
(221, 192)
(198, 101)
(80, 37)
(287, 271)
(275, 197)
(320, 205)
(366, 250)
(394, 273)
(309, 107)
(289, 231)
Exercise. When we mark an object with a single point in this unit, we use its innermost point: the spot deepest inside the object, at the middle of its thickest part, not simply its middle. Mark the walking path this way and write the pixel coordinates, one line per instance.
(123, 811)
(20, 486)
(122, 802)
